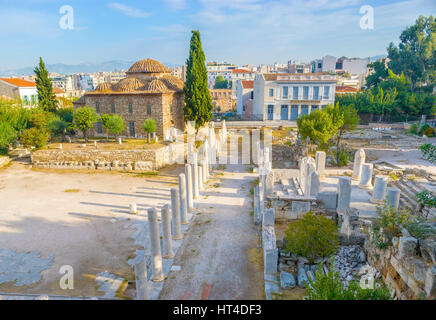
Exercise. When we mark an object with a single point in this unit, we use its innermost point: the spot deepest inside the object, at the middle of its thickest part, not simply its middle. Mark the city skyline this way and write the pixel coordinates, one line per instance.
(239, 31)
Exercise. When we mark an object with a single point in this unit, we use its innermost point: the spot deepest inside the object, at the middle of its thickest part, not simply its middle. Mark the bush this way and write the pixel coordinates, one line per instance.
(313, 236)
(414, 128)
(149, 127)
(115, 125)
(84, 119)
(388, 225)
(330, 287)
(428, 131)
(428, 152)
(34, 137)
(342, 155)
(57, 127)
(7, 136)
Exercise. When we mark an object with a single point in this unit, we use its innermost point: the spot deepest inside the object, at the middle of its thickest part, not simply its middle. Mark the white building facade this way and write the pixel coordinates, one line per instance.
(19, 89)
(289, 96)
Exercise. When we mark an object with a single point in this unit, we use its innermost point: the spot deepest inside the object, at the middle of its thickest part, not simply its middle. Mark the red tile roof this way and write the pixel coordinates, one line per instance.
(58, 90)
(346, 89)
(241, 71)
(247, 84)
(19, 82)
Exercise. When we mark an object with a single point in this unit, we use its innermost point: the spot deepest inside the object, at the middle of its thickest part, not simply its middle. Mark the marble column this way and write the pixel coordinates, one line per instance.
(182, 195)
(189, 192)
(155, 249)
(302, 176)
(359, 160)
(379, 191)
(200, 177)
(133, 209)
(166, 229)
(314, 184)
(175, 210)
(366, 176)
(320, 163)
(204, 164)
(393, 197)
(344, 193)
(195, 174)
(310, 168)
(142, 287)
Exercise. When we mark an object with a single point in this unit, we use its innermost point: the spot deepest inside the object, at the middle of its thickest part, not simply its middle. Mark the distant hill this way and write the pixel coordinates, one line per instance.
(77, 68)
(375, 58)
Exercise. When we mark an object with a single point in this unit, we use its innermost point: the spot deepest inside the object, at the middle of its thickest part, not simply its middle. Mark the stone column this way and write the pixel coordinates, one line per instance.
(359, 159)
(314, 184)
(366, 176)
(133, 209)
(344, 193)
(379, 191)
(155, 250)
(204, 164)
(310, 168)
(200, 177)
(166, 229)
(142, 288)
(182, 195)
(189, 195)
(302, 176)
(393, 198)
(175, 210)
(195, 174)
(320, 163)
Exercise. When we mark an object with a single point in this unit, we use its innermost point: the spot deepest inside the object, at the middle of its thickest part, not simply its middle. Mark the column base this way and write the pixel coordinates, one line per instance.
(369, 187)
(170, 256)
(157, 278)
(376, 201)
(177, 237)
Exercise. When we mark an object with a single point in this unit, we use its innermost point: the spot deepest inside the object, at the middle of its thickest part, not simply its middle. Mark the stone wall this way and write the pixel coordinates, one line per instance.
(408, 266)
(141, 160)
(4, 161)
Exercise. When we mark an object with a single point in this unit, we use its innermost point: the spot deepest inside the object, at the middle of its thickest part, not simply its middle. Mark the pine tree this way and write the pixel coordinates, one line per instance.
(46, 98)
(198, 103)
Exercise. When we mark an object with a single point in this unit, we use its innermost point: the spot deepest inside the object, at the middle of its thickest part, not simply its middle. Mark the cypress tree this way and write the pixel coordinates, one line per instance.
(46, 97)
(198, 103)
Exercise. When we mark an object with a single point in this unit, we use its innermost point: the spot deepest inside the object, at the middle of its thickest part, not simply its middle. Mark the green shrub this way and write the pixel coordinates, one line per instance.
(330, 287)
(84, 119)
(429, 132)
(420, 229)
(413, 129)
(313, 236)
(149, 126)
(7, 136)
(428, 152)
(34, 137)
(57, 127)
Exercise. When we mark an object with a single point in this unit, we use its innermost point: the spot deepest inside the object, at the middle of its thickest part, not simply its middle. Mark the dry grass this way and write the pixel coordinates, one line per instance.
(72, 190)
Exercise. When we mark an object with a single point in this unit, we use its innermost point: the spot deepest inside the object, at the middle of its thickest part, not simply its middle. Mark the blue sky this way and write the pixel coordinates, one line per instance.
(239, 31)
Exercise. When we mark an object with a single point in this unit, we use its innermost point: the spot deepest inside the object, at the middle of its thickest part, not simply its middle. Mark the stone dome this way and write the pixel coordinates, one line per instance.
(148, 66)
(104, 87)
(129, 84)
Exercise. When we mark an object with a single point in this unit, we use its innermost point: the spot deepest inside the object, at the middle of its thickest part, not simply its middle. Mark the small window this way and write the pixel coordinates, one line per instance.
(130, 108)
(305, 93)
(285, 92)
(148, 108)
(271, 92)
(243, 108)
(295, 93)
(99, 128)
(326, 92)
(97, 107)
(113, 107)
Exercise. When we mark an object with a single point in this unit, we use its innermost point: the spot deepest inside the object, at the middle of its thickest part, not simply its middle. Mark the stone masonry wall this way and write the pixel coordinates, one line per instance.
(142, 160)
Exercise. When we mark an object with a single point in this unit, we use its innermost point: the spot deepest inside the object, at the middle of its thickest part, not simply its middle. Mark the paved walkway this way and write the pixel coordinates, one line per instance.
(219, 258)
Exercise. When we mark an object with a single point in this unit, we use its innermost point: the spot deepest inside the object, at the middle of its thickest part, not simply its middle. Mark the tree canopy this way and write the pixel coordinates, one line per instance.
(198, 103)
(46, 98)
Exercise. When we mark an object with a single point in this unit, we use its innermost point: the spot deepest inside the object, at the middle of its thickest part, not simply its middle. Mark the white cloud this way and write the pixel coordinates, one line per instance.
(175, 4)
(129, 11)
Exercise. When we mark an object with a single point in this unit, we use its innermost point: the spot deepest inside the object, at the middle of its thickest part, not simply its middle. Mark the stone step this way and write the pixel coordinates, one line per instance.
(417, 187)
(411, 192)
(405, 194)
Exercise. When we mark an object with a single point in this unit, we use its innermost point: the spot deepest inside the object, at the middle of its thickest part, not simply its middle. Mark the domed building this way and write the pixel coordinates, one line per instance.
(148, 91)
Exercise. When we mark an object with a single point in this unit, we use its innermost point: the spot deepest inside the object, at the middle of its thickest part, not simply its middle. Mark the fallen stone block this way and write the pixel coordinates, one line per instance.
(287, 280)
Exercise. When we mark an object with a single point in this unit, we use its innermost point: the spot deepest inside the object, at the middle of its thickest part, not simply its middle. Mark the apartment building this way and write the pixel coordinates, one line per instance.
(285, 96)
(15, 88)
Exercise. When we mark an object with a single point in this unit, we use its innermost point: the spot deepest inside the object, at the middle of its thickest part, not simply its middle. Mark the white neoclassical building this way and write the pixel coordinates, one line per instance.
(286, 96)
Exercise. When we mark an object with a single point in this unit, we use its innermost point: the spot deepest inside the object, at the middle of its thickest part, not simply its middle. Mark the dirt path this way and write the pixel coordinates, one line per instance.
(219, 258)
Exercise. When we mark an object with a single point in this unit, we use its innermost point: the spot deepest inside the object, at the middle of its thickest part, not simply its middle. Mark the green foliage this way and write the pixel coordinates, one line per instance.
(13, 112)
(428, 152)
(380, 73)
(320, 125)
(419, 229)
(312, 236)
(415, 55)
(427, 199)
(221, 83)
(198, 103)
(116, 125)
(66, 114)
(40, 118)
(330, 287)
(57, 127)
(341, 157)
(7, 136)
(388, 225)
(427, 130)
(149, 126)
(414, 128)
(46, 98)
(84, 119)
(34, 137)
